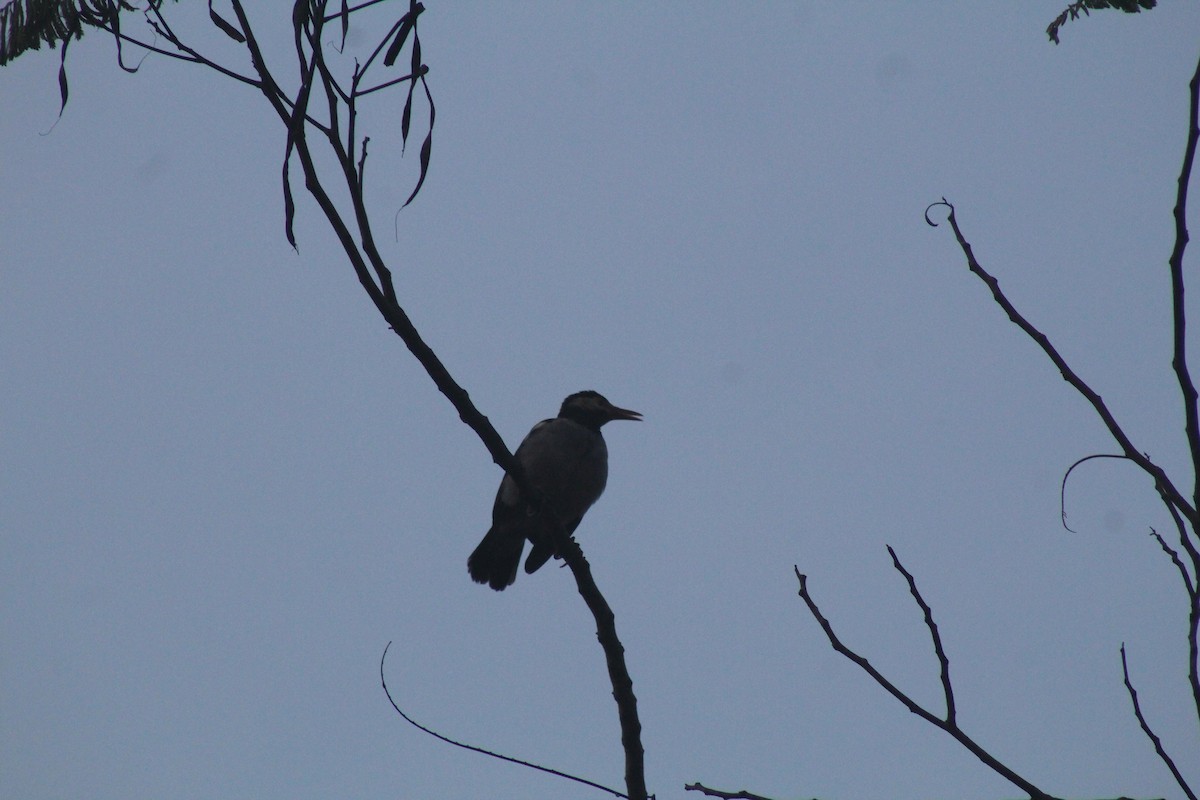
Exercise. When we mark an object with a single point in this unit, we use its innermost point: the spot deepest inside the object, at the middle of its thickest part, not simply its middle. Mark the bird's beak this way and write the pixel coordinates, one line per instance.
(624, 413)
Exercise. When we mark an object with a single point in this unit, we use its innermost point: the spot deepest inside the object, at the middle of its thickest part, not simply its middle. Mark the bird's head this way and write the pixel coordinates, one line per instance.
(592, 410)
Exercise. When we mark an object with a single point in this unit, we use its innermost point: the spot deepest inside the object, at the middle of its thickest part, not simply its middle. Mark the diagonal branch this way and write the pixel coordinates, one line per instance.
(948, 724)
(943, 661)
(375, 278)
(1162, 483)
(1179, 311)
(742, 795)
(1158, 747)
(618, 673)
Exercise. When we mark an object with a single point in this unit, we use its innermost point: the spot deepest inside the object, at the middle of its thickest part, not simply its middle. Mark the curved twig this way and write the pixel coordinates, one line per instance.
(483, 750)
(1162, 482)
(1062, 489)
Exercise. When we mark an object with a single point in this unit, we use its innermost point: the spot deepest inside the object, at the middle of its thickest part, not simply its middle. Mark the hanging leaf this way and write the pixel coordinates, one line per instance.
(224, 25)
(407, 23)
(289, 207)
(62, 77)
(426, 147)
(406, 119)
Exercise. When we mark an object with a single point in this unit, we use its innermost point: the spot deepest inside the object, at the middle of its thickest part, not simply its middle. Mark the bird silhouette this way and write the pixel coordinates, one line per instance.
(566, 461)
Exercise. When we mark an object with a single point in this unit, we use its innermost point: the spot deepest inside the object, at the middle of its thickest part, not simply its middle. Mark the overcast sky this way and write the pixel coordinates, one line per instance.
(226, 484)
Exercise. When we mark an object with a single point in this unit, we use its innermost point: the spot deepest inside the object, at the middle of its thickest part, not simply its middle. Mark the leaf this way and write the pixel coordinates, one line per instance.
(62, 78)
(407, 23)
(406, 119)
(393, 52)
(426, 148)
(416, 57)
(224, 25)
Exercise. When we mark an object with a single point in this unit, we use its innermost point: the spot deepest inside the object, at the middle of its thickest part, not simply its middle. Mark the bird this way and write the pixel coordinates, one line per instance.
(566, 460)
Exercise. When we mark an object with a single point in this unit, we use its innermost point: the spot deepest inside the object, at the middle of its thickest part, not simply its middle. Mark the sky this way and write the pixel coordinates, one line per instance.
(227, 485)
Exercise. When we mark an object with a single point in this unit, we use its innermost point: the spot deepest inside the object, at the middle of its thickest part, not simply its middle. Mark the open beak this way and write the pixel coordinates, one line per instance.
(624, 413)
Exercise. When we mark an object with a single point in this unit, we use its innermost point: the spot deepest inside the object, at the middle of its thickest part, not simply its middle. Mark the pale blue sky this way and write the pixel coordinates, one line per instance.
(227, 486)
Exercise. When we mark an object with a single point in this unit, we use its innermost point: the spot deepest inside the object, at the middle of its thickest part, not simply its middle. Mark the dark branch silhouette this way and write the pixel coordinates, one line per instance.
(1062, 489)
(1163, 484)
(1158, 746)
(483, 750)
(334, 129)
(742, 795)
(1182, 510)
(947, 723)
(1087, 6)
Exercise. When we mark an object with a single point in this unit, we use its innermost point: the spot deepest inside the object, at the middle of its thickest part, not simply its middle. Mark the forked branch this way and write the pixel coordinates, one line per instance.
(948, 722)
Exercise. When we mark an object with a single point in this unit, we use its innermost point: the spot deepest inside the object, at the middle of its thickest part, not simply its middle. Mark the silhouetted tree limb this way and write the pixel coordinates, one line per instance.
(618, 673)
(1182, 512)
(1163, 484)
(947, 723)
(1158, 746)
(336, 133)
(28, 24)
(1087, 6)
(742, 795)
(473, 748)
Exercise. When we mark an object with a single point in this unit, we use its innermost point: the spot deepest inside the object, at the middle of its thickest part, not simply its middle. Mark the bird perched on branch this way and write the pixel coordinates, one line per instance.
(566, 460)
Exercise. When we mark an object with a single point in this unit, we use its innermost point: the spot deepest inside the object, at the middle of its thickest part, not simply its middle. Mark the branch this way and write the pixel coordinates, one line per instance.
(1074, 9)
(473, 748)
(375, 277)
(948, 724)
(1162, 483)
(618, 673)
(1158, 748)
(742, 795)
(1179, 362)
(943, 661)
(1062, 488)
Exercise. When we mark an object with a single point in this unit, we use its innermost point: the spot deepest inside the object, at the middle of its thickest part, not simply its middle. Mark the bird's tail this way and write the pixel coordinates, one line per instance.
(496, 559)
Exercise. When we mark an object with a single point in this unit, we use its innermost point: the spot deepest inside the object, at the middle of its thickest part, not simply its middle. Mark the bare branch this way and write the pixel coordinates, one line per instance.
(473, 748)
(947, 725)
(1158, 748)
(618, 673)
(1179, 362)
(1174, 556)
(742, 795)
(943, 661)
(1162, 483)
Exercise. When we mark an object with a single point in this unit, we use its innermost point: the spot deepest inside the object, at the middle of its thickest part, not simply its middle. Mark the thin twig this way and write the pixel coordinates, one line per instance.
(943, 660)
(742, 795)
(1158, 747)
(1162, 482)
(483, 750)
(949, 726)
(1062, 489)
(1174, 556)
